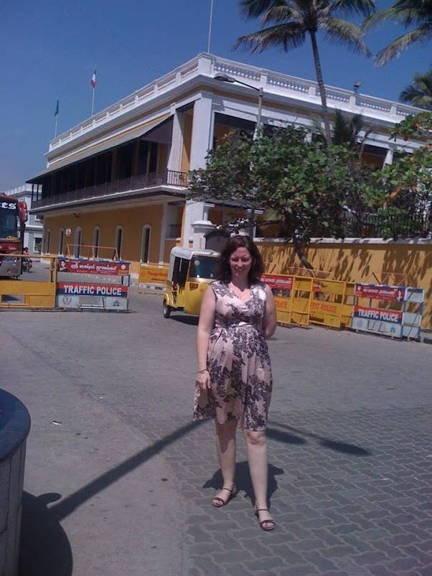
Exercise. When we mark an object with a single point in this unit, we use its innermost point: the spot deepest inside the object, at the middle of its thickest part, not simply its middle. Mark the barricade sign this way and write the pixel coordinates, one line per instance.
(292, 295)
(395, 311)
(152, 277)
(107, 289)
(327, 305)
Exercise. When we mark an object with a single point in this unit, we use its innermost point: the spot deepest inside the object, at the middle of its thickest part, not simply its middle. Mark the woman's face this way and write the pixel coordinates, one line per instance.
(240, 262)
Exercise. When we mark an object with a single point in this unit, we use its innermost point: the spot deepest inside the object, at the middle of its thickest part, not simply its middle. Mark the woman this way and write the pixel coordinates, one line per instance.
(234, 379)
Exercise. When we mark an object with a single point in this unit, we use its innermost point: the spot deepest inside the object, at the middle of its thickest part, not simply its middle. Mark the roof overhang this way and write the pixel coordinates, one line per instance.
(112, 140)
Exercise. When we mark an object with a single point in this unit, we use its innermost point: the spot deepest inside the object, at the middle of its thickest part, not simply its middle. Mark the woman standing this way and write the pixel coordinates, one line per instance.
(234, 380)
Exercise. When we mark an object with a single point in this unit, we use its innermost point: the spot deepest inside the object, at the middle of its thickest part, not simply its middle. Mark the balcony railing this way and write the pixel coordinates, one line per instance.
(141, 182)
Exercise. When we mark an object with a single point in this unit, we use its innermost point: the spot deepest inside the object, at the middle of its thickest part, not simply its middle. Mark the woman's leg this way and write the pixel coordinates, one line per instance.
(226, 450)
(256, 443)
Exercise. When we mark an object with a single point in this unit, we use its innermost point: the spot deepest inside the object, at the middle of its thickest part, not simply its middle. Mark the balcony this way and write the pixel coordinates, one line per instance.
(141, 182)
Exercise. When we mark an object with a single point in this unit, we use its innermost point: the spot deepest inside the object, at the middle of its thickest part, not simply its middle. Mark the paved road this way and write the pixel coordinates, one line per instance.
(110, 396)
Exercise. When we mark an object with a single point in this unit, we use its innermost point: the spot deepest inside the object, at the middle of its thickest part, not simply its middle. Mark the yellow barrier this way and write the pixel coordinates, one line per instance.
(152, 276)
(27, 293)
(327, 302)
(35, 294)
(302, 298)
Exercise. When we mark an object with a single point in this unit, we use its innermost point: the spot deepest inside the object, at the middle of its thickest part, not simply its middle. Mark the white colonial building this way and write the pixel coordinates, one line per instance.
(116, 183)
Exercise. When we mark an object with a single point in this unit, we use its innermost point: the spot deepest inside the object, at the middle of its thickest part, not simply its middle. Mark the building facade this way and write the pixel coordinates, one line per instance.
(34, 226)
(115, 185)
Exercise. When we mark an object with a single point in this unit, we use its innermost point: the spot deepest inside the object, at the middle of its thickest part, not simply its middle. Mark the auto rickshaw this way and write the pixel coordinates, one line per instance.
(189, 274)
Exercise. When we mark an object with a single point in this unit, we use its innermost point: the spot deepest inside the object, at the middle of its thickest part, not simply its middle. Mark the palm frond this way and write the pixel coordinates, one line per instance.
(256, 8)
(363, 7)
(394, 49)
(287, 36)
(377, 18)
(342, 31)
(282, 14)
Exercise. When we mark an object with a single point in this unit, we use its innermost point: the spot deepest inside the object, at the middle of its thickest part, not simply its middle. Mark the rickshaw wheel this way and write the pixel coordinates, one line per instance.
(166, 310)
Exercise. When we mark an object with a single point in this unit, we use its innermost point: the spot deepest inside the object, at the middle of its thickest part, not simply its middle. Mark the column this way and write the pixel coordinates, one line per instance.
(176, 149)
(202, 131)
(389, 157)
(163, 232)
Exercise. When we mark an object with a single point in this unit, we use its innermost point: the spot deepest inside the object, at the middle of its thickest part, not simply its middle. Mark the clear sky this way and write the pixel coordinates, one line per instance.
(49, 49)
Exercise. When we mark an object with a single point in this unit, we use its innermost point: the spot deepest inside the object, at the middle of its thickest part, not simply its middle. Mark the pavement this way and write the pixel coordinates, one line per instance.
(119, 480)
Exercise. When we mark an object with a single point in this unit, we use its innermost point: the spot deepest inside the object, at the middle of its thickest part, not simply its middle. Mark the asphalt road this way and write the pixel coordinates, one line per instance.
(110, 394)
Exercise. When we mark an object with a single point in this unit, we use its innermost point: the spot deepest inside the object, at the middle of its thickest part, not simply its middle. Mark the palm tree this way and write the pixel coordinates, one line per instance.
(292, 21)
(417, 13)
(419, 92)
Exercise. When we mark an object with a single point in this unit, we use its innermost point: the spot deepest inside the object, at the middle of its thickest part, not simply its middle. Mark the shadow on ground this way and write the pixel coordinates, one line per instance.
(243, 480)
(45, 548)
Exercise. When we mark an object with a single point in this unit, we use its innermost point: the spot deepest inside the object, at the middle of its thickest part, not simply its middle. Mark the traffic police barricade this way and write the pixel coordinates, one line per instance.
(35, 294)
(97, 284)
(394, 311)
(152, 277)
(328, 301)
(292, 295)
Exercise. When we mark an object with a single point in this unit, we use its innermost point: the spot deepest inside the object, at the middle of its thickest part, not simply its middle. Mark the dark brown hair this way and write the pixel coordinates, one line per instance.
(224, 268)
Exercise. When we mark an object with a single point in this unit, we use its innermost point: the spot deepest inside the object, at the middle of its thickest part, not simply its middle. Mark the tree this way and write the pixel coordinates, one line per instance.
(419, 92)
(306, 186)
(417, 13)
(292, 21)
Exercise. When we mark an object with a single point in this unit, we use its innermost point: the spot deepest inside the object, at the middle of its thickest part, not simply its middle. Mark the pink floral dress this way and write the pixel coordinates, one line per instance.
(238, 361)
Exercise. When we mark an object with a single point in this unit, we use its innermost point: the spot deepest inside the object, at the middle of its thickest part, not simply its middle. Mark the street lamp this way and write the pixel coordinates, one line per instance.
(231, 80)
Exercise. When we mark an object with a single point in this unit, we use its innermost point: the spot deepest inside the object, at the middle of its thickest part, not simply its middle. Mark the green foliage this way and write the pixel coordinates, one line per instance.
(417, 127)
(419, 92)
(305, 185)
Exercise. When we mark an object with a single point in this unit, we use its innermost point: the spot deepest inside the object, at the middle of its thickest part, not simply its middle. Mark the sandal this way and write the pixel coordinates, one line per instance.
(266, 525)
(219, 502)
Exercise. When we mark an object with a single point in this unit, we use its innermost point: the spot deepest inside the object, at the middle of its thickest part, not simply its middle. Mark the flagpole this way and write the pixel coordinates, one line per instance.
(55, 127)
(93, 85)
(56, 113)
(210, 27)
(93, 99)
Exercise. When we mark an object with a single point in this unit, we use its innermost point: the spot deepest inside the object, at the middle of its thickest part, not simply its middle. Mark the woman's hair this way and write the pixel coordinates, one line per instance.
(224, 268)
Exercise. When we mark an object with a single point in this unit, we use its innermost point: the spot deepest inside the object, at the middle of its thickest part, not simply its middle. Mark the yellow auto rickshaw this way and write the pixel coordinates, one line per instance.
(189, 274)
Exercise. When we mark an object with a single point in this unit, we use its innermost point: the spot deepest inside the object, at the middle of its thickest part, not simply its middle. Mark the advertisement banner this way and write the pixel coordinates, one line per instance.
(278, 282)
(384, 293)
(93, 267)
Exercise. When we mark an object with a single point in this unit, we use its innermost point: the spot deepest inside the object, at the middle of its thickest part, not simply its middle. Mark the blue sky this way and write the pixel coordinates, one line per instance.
(51, 47)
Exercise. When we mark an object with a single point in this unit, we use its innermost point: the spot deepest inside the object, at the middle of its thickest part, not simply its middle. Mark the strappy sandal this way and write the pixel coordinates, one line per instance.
(266, 525)
(219, 502)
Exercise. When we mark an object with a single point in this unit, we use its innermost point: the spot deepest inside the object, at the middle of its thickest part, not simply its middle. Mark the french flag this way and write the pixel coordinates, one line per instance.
(93, 80)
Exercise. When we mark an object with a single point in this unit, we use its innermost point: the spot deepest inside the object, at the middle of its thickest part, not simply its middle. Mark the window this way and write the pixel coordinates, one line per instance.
(145, 244)
(119, 242)
(96, 242)
(61, 241)
(37, 245)
(77, 242)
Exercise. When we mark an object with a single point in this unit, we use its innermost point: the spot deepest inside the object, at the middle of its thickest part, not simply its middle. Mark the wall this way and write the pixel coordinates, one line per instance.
(132, 220)
(385, 262)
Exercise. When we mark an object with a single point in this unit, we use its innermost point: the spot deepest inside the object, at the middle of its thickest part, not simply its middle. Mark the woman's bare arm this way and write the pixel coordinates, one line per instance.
(205, 326)
(270, 314)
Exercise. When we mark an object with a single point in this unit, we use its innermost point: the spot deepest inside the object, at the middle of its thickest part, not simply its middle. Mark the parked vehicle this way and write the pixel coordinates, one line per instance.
(13, 216)
(189, 274)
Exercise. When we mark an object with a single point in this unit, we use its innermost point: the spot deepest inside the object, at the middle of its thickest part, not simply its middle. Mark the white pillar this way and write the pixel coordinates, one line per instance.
(202, 131)
(194, 212)
(176, 150)
(163, 232)
(389, 157)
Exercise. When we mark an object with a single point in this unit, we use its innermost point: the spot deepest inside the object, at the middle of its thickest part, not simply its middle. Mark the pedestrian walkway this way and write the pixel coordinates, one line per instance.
(119, 480)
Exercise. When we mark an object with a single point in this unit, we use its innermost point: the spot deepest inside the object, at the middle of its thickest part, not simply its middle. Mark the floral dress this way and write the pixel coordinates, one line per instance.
(238, 361)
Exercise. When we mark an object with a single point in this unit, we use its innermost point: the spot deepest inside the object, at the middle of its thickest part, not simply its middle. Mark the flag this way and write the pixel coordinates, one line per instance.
(57, 109)
(93, 80)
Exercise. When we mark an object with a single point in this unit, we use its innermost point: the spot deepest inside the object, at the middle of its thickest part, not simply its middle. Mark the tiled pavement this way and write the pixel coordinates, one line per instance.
(351, 493)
